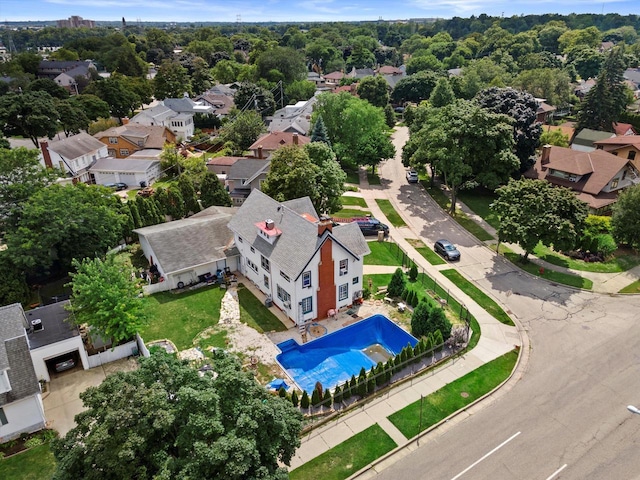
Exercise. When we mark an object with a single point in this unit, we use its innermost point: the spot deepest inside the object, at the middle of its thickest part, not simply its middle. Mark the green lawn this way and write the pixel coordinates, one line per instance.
(180, 317)
(633, 288)
(478, 201)
(377, 280)
(353, 177)
(390, 212)
(454, 396)
(620, 262)
(345, 459)
(353, 201)
(432, 257)
(255, 314)
(35, 464)
(381, 254)
(350, 213)
(481, 298)
(552, 275)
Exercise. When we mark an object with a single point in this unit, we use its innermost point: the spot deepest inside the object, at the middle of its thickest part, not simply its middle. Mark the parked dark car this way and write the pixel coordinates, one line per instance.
(118, 186)
(371, 226)
(447, 250)
(65, 364)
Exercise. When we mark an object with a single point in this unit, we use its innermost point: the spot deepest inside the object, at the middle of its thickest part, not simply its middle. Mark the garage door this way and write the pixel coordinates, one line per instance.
(64, 363)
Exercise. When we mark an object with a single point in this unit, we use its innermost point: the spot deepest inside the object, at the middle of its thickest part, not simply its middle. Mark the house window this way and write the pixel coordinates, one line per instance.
(343, 291)
(252, 265)
(307, 305)
(344, 267)
(354, 281)
(614, 183)
(266, 281)
(111, 152)
(240, 239)
(265, 263)
(113, 140)
(124, 152)
(253, 250)
(3, 417)
(306, 280)
(631, 156)
(285, 276)
(284, 296)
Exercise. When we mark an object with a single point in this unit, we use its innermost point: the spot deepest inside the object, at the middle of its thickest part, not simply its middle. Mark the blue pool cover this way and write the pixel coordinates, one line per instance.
(334, 358)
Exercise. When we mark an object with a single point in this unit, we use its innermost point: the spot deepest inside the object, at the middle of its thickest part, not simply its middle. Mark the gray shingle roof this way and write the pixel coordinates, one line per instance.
(55, 326)
(76, 146)
(246, 168)
(587, 136)
(299, 240)
(12, 324)
(183, 244)
(111, 164)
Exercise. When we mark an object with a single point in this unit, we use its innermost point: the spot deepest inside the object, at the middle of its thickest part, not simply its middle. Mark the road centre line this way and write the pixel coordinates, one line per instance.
(486, 455)
(554, 474)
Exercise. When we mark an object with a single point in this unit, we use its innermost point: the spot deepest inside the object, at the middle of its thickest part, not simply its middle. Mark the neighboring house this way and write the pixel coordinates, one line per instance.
(305, 265)
(544, 113)
(69, 79)
(585, 139)
(184, 251)
(126, 170)
(582, 87)
(52, 338)
(596, 177)
(53, 68)
(220, 103)
(74, 155)
(181, 124)
(316, 78)
(293, 118)
(221, 165)
(244, 176)
(359, 73)
(270, 142)
(392, 74)
(565, 129)
(21, 408)
(333, 78)
(627, 146)
(126, 139)
(632, 77)
(622, 129)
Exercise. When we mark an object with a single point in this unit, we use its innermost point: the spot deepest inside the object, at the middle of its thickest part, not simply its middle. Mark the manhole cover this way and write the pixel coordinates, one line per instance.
(464, 395)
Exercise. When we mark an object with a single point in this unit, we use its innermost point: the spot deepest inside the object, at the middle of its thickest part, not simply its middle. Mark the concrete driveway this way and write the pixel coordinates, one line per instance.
(62, 401)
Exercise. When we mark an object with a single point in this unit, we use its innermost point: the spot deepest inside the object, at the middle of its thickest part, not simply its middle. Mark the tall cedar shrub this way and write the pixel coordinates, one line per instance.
(282, 393)
(413, 273)
(397, 284)
(337, 395)
(294, 399)
(326, 398)
(346, 391)
(304, 401)
(315, 398)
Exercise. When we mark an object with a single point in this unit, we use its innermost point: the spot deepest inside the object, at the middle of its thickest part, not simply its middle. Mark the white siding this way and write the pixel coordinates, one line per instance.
(39, 355)
(24, 415)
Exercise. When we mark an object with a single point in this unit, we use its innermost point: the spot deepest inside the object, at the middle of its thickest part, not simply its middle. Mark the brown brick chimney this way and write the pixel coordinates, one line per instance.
(44, 146)
(125, 120)
(260, 152)
(546, 151)
(295, 139)
(324, 225)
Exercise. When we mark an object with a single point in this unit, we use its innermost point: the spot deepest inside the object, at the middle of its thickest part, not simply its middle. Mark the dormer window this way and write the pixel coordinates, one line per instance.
(268, 230)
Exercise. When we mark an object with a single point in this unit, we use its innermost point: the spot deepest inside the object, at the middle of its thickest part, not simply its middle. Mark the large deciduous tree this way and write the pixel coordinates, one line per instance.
(106, 297)
(375, 90)
(60, 223)
(281, 63)
(533, 211)
(253, 97)
(164, 420)
(607, 99)
(239, 134)
(625, 221)
(117, 93)
(29, 114)
(521, 107)
(465, 143)
(331, 180)
(171, 81)
(212, 192)
(415, 88)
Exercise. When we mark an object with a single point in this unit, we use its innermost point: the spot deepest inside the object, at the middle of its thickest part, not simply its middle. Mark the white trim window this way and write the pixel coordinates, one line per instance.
(266, 265)
(307, 305)
(266, 281)
(344, 267)
(343, 292)
(355, 280)
(306, 279)
(283, 295)
(252, 265)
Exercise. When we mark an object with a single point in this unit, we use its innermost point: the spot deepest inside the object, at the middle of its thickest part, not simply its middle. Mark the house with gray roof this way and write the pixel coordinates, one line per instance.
(181, 124)
(244, 176)
(183, 252)
(21, 408)
(584, 140)
(74, 155)
(133, 172)
(293, 118)
(308, 267)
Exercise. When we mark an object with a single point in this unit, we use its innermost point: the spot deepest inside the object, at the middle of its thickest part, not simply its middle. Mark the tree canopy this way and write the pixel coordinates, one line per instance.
(164, 420)
(106, 297)
(625, 220)
(30, 114)
(242, 131)
(533, 211)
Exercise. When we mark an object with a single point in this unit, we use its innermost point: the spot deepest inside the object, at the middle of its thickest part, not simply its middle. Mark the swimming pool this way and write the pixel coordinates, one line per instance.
(334, 358)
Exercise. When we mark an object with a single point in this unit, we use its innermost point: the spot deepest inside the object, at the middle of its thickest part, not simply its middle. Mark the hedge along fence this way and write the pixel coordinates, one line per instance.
(430, 351)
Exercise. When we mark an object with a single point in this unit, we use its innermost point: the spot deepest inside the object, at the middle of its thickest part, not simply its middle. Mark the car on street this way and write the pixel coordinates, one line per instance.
(118, 186)
(412, 176)
(447, 249)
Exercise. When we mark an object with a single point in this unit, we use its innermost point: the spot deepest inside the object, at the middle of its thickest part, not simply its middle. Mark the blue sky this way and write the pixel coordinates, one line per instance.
(290, 11)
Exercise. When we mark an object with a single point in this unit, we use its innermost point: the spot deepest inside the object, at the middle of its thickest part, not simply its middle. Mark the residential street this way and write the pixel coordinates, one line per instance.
(566, 417)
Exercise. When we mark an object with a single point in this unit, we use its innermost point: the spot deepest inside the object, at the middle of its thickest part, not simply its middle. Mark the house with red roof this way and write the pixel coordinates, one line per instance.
(596, 177)
(626, 146)
(270, 142)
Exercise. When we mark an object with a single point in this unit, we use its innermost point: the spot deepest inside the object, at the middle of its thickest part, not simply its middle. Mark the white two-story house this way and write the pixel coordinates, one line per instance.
(74, 155)
(306, 265)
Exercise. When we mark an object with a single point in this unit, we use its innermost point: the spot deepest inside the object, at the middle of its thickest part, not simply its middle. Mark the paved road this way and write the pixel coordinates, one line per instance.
(566, 419)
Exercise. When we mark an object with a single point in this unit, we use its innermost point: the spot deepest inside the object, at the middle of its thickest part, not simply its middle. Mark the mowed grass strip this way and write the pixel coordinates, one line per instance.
(619, 262)
(350, 213)
(345, 459)
(255, 314)
(633, 288)
(454, 396)
(430, 256)
(181, 316)
(390, 212)
(37, 463)
(381, 254)
(353, 201)
(481, 298)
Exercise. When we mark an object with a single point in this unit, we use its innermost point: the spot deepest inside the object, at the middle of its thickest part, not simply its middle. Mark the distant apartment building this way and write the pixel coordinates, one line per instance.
(75, 22)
